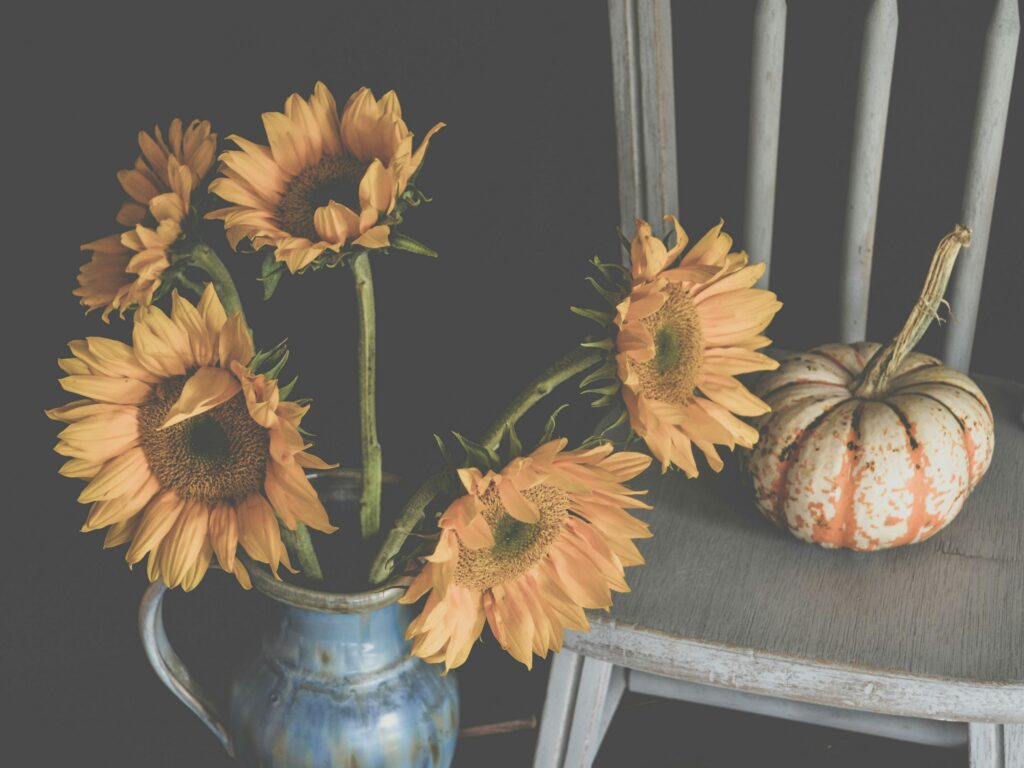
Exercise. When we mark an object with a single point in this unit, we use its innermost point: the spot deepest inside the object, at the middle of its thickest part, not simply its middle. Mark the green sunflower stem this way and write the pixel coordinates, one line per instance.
(563, 369)
(369, 505)
(204, 257)
(300, 544)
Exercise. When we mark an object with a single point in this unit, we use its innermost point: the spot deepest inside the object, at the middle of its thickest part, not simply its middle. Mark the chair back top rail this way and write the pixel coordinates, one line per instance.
(641, 37)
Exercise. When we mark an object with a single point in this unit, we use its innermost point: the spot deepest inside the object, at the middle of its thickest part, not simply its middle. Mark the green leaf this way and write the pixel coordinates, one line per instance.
(286, 390)
(515, 445)
(414, 196)
(601, 318)
(549, 427)
(275, 371)
(479, 456)
(592, 441)
(621, 417)
(262, 357)
(271, 272)
(606, 371)
(614, 298)
(626, 242)
(449, 460)
(406, 243)
(600, 344)
(607, 389)
(612, 272)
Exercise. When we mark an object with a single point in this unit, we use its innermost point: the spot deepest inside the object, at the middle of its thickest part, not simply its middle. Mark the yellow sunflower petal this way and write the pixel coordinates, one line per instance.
(258, 532)
(205, 389)
(335, 222)
(375, 237)
(156, 520)
(183, 545)
(235, 342)
(108, 389)
(224, 534)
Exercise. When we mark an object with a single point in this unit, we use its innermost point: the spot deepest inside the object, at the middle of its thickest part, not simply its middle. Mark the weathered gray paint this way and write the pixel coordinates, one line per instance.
(878, 53)
(982, 177)
(913, 729)
(559, 705)
(601, 687)
(1013, 745)
(769, 46)
(996, 746)
(948, 612)
(645, 123)
(931, 631)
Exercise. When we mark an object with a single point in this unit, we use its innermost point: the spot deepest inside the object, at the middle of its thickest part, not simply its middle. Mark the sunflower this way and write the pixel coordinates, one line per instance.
(528, 549)
(186, 451)
(125, 270)
(323, 182)
(153, 173)
(684, 333)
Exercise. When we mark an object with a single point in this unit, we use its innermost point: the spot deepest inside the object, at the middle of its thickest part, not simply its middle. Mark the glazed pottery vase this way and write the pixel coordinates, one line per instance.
(332, 684)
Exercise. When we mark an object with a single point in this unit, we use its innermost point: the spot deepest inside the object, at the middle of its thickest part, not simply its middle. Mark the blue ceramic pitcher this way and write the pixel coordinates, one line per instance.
(333, 683)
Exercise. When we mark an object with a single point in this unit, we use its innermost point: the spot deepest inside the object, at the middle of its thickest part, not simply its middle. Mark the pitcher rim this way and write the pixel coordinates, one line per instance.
(316, 599)
(319, 600)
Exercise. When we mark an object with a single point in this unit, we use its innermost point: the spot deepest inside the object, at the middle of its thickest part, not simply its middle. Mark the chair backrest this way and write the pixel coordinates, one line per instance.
(641, 36)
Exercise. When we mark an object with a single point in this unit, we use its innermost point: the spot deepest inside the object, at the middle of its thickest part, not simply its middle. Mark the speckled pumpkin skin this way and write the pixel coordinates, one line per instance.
(840, 471)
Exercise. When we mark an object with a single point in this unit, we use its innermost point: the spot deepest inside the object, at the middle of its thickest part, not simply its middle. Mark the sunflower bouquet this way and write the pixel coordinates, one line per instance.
(191, 442)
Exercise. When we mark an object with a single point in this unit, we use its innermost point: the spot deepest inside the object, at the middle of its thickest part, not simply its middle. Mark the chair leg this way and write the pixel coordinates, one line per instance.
(996, 746)
(600, 690)
(559, 703)
(1013, 745)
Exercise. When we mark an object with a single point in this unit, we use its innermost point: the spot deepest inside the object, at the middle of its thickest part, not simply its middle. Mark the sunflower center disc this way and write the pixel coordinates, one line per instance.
(517, 545)
(672, 374)
(220, 455)
(335, 177)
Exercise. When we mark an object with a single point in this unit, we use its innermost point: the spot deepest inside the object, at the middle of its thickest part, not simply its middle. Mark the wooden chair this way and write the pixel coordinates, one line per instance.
(925, 643)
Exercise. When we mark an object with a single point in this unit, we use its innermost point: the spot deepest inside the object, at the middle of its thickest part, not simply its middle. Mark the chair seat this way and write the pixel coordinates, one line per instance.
(931, 630)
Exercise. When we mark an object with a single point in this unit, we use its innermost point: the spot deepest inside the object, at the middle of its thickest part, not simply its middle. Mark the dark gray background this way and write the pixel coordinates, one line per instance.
(524, 184)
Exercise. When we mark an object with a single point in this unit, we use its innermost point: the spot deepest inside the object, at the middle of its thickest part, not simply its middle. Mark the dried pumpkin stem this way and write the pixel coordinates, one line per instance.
(369, 504)
(563, 369)
(887, 360)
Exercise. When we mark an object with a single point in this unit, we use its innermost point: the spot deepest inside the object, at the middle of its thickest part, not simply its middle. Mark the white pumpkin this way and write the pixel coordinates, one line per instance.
(870, 447)
(868, 473)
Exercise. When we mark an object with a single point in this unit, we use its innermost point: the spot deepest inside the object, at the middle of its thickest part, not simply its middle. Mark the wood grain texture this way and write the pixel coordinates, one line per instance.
(645, 118)
(985, 746)
(767, 58)
(1013, 745)
(877, 57)
(600, 690)
(559, 705)
(990, 115)
(931, 630)
(917, 730)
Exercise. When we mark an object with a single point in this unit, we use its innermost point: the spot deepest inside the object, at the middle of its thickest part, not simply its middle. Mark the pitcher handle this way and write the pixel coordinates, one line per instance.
(171, 670)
